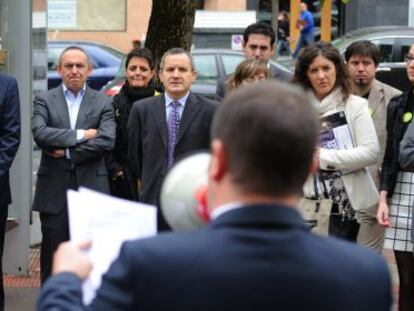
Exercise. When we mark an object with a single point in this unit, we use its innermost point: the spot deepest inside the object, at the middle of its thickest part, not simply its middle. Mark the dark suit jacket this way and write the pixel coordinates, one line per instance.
(258, 257)
(51, 130)
(148, 135)
(9, 132)
(274, 71)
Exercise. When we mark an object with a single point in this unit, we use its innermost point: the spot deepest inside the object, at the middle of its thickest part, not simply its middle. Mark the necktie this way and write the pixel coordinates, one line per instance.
(173, 124)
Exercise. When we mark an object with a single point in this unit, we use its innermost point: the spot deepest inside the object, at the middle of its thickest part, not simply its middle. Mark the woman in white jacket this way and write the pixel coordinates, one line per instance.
(342, 178)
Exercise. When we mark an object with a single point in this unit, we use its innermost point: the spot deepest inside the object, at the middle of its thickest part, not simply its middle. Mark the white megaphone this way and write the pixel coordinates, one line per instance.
(183, 193)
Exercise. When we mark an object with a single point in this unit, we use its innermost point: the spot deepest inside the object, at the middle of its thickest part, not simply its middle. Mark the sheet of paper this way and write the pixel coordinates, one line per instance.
(108, 222)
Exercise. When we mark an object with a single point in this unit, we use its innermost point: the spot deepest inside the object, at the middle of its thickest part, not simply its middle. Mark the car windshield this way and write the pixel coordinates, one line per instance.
(114, 52)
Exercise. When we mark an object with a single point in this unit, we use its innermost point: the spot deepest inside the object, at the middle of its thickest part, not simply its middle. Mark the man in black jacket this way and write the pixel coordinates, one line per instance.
(163, 128)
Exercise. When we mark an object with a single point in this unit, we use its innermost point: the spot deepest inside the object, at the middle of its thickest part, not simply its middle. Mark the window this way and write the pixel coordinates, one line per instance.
(406, 44)
(206, 67)
(230, 62)
(53, 55)
(386, 47)
(87, 15)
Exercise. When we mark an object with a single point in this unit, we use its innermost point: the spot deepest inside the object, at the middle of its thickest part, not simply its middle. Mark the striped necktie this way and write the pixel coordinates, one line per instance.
(173, 125)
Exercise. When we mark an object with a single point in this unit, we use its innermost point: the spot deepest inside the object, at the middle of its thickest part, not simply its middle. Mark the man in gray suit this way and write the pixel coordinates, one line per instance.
(362, 59)
(75, 128)
(258, 42)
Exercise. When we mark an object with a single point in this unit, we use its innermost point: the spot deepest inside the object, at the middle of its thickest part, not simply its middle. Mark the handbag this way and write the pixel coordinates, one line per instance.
(317, 214)
(316, 211)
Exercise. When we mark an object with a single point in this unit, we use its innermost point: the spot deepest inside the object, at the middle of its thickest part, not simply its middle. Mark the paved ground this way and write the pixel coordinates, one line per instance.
(21, 292)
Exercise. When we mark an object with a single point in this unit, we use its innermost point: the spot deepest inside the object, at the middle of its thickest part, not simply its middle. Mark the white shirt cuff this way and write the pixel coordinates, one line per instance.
(80, 134)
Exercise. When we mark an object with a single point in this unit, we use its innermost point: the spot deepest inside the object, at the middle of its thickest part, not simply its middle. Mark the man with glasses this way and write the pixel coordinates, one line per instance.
(362, 58)
(258, 42)
(74, 127)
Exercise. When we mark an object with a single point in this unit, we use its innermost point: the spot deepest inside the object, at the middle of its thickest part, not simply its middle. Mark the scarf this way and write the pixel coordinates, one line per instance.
(332, 101)
(137, 93)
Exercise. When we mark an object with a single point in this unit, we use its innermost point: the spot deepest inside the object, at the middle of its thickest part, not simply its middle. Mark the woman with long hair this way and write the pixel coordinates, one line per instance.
(342, 179)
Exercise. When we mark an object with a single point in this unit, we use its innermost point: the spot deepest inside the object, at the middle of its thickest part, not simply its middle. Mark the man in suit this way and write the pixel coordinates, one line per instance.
(160, 132)
(75, 128)
(257, 253)
(258, 42)
(9, 143)
(362, 58)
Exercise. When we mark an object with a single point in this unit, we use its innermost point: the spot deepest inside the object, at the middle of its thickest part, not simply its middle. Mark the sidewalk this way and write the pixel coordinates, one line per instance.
(21, 292)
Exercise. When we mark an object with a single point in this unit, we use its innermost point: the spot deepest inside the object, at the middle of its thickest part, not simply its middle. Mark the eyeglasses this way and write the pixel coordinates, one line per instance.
(408, 59)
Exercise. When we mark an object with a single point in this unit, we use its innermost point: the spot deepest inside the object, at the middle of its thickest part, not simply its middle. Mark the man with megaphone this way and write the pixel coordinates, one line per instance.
(256, 253)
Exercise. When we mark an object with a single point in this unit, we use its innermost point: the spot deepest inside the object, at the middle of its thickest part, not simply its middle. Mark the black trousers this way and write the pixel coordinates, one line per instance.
(55, 230)
(3, 221)
(346, 229)
(125, 186)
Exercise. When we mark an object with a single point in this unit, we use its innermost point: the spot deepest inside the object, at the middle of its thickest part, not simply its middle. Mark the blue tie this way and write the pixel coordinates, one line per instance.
(173, 124)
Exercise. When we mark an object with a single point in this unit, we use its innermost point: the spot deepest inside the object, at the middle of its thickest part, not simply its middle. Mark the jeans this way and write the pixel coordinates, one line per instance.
(304, 40)
(283, 48)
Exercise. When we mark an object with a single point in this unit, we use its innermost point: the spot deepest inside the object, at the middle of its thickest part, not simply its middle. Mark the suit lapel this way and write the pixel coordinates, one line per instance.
(59, 102)
(376, 96)
(85, 106)
(192, 106)
(160, 117)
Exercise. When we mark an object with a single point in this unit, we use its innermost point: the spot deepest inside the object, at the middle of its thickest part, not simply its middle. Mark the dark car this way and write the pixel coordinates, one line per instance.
(210, 64)
(394, 43)
(105, 62)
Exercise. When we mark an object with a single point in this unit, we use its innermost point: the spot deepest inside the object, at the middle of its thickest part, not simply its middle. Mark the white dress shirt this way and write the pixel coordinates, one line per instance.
(225, 208)
(169, 100)
(73, 102)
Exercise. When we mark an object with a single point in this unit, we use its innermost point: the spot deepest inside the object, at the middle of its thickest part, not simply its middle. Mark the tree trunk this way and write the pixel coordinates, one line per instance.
(171, 25)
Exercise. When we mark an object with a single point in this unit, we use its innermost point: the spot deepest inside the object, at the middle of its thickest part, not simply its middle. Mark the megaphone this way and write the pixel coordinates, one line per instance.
(183, 195)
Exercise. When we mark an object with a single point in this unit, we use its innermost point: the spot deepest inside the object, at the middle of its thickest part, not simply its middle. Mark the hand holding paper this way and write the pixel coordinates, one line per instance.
(70, 257)
(107, 222)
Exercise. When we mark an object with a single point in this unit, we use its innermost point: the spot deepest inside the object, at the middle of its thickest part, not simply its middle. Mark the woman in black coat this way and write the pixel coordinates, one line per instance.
(395, 209)
(139, 84)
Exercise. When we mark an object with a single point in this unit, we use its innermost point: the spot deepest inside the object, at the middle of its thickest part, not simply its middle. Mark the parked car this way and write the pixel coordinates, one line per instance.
(211, 65)
(105, 62)
(394, 43)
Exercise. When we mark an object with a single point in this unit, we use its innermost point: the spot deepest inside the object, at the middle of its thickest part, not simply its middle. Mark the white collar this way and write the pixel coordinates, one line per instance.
(225, 208)
(181, 100)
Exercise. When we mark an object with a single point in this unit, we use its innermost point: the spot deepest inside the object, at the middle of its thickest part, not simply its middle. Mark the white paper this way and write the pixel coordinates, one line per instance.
(108, 222)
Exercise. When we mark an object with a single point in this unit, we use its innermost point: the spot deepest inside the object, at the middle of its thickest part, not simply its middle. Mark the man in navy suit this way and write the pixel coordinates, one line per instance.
(9, 143)
(257, 253)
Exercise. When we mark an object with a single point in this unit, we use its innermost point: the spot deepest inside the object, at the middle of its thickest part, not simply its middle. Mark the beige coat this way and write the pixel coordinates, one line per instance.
(378, 100)
(359, 185)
